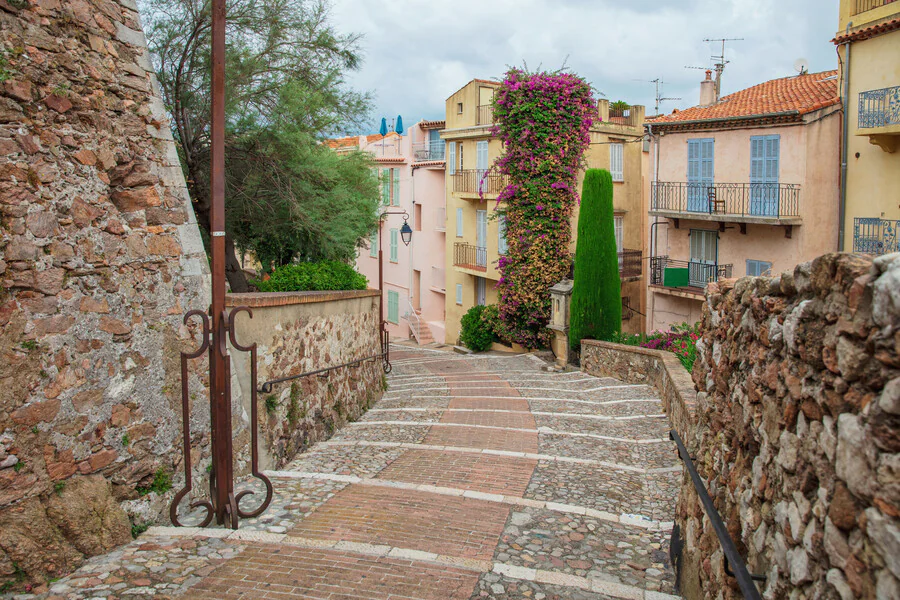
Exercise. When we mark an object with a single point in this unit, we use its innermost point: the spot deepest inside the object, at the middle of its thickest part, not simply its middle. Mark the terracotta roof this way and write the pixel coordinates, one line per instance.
(865, 33)
(797, 95)
(433, 124)
(344, 142)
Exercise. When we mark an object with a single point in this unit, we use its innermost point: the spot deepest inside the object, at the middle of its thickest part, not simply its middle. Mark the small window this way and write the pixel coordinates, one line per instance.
(459, 222)
(373, 245)
(394, 237)
(393, 306)
(502, 246)
(459, 292)
(619, 223)
(758, 268)
(459, 108)
(616, 161)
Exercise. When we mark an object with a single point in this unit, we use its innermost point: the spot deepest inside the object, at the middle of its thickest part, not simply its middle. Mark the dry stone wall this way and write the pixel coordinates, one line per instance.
(798, 432)
(100, 257)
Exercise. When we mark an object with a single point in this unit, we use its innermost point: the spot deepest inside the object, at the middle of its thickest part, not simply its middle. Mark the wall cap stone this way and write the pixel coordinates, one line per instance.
(265, 299)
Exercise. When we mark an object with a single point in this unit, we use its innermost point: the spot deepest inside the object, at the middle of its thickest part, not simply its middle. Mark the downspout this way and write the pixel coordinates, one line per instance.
(842, 205)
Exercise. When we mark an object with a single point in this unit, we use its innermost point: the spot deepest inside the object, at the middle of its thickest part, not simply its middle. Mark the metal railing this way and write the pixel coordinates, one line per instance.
(623, 116)
(438, 279)
(875, 236)
(773, 200)
(426, 151)
(699, 274)
(469, 256)
(484, 114)
(440, 218)
(412, 317)
(745, 579)
(630, 263)
(879, 108)
(864, 5)
(479, 181)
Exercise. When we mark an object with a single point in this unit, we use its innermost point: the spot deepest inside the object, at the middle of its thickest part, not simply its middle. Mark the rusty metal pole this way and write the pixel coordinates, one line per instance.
(222, 480)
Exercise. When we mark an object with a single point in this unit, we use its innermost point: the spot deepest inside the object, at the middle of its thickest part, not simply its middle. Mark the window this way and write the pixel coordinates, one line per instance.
(459, 293)
(459, 108)
(480, 291)
(394, 236)
(704, 246)
(459, 222)
(451, 152)
(700, 173)
(758, 268)
(502, 246)
(373, 245)
(765, 153)
(385, 186)
(617, 161)
(395, 199)
(393, 306)
(619, 223)
(417, 216)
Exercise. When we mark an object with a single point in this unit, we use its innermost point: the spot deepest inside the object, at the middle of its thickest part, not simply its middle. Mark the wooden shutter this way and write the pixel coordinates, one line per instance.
(617, 161)
(395, 200)
(394, 234)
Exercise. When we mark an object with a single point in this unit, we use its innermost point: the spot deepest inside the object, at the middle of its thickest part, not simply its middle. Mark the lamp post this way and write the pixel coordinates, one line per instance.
(406, 236)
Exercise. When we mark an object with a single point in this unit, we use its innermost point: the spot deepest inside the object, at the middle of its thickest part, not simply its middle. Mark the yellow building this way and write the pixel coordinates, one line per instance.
(476, 233)
(869, 45)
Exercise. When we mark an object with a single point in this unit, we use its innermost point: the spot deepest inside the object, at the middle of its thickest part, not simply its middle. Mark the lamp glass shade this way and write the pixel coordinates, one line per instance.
(406, 233)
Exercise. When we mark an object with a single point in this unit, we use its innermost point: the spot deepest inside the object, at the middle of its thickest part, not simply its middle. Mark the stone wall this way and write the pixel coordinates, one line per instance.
(798, 433)
(657, 368)
(99, 259)
(302, 332)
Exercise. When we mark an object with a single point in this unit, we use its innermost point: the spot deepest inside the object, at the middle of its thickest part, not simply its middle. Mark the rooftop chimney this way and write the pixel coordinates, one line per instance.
(708, 90)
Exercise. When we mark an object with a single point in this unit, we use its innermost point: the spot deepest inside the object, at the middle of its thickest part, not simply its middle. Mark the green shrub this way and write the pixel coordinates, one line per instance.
(596, 309)
(475, 331)
(322, 276)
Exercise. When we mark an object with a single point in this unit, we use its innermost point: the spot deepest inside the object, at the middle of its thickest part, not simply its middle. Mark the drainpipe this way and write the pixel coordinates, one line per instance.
(842, 205)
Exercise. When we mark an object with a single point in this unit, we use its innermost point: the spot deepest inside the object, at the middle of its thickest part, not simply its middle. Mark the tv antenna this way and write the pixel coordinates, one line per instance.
(720, 62)
(659, 91)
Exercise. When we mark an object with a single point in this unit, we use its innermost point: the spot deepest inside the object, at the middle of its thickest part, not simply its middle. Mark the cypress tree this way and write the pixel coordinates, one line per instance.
(596, 311)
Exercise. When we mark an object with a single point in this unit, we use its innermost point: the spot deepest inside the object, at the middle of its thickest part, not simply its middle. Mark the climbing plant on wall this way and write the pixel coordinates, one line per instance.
(543, 120)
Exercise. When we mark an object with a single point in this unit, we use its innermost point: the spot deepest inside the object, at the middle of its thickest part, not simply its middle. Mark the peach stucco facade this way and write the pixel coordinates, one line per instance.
(411, 173)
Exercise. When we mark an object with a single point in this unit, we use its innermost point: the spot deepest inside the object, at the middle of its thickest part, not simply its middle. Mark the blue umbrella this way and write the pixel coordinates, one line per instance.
(399, 125)
(383, 131)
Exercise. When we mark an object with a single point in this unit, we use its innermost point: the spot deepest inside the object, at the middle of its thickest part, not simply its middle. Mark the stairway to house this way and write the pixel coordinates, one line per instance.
(419, 328)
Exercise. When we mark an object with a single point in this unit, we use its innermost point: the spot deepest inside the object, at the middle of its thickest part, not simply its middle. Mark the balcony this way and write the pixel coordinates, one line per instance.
(470, 257)
(438, 280)
(879, 117)
(686, 275)
(484, 115)
(429, 151)
(875, 236)
(479, 182)
(440, 218)
(625, 116)
(630, 264)
(862, 6)
(761, 203)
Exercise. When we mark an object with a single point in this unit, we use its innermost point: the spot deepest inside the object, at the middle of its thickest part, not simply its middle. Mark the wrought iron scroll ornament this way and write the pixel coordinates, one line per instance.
(232, 509)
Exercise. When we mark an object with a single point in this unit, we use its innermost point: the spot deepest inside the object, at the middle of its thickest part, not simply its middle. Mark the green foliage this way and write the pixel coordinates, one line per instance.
(313, 276)
(475, 331)
(295, 412)
(126, 440)
(138, 528)
(18, 466)
(596, 309)
(619, 105)
(162, 483)
(59, 487)
(271, 403)
(29, 345)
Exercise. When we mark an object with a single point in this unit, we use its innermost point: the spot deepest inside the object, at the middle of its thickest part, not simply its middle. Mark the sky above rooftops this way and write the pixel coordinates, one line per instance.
(418, 52)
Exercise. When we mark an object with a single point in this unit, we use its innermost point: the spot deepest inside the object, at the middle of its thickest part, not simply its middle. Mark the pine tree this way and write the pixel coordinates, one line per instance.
(596, 311)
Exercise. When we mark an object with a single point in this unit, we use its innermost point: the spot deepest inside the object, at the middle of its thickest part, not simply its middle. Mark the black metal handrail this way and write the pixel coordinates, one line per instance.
(469, 256)
(699, 274)
(876, 236)
(732, 557)
(479, 181)
(630, 263)
(766, 200)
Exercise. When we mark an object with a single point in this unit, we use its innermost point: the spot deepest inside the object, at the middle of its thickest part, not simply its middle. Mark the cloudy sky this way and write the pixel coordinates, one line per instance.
(418, 52)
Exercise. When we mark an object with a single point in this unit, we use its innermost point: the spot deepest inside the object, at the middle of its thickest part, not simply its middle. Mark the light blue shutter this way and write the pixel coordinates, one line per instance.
(502, 245)
(394, 233)
(459, 293)
(393, 306)
(701, 173)
(373, 245)
(693, 176)
(451, 160)
(385, 186)
(459, 222)
(765, 153)
(617, 161)
(395, 201)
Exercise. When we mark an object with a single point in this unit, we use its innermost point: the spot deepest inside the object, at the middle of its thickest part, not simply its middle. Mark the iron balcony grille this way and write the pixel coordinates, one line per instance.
(772, 200)
(469, 256)
(879, 108)
(699, 274)
(485, 115)
(479, 181)
(864, 5)
(875, 236)
(624, 116)
(429, 151)
(630, 263)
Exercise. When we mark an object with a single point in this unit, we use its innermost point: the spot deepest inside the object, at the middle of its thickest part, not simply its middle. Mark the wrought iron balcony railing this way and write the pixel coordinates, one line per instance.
(624, 116)
(428, 151)
(484, 115)
(864, 5)
(469, 256)
(689, 274)
(479, 181)
(879, 108)
(771, 200)
(630, 263)
(875, 236)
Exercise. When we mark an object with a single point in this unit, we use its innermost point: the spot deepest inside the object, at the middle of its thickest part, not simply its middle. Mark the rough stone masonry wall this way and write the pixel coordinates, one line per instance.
(798, 432)
(99, 259)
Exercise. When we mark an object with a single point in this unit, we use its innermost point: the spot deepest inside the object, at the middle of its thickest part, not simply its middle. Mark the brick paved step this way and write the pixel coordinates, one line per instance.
(472, 437)
(459, 527)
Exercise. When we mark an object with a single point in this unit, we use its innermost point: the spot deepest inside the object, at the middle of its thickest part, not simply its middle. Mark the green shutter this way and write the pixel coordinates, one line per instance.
(394, 233)
(373, 245)
(396, 198)
(393, 306)
(385, 186)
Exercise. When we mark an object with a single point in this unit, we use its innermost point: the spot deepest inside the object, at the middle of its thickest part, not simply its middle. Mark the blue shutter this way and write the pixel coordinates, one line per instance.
(451, 157)
(385, 186)
(459, 293)
(394, 233)
(395, 201)
(459, 222)
(502, 245)
(373, 245)
(393, 306)
(695, 193)
(765, 151)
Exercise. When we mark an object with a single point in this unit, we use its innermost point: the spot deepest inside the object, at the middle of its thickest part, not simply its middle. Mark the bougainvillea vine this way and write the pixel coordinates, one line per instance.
(544, 121)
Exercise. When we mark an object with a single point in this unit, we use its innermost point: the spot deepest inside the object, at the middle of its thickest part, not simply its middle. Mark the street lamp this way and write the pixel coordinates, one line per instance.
(406, 235)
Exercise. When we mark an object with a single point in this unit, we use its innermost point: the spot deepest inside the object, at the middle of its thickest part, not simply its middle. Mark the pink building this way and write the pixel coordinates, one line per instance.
(411, 171)
(743, 185)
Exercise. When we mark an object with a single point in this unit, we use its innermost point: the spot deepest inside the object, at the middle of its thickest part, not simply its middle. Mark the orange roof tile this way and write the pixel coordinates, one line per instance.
(868, 32)
(800, 94)
(344, 142)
